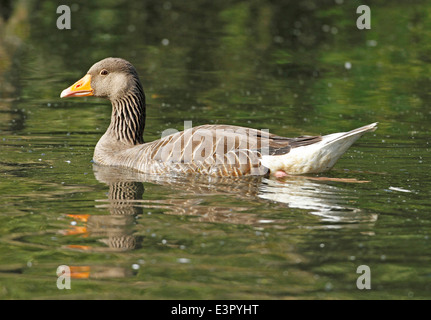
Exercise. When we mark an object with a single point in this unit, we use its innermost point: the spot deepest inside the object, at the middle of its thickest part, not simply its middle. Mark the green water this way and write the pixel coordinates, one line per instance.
(294, 68)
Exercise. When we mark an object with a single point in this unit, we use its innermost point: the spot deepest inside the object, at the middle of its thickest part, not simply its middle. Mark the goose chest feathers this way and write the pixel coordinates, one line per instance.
(217, 150)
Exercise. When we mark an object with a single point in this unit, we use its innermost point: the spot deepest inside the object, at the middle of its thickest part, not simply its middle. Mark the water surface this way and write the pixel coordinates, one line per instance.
(295, 69)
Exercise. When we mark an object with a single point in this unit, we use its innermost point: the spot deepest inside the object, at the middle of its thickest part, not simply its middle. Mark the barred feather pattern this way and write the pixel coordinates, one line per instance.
(128, 117)
(215, 150)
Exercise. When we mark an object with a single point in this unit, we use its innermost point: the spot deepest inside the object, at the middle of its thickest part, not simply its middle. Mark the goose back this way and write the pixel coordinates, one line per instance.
(217, 150)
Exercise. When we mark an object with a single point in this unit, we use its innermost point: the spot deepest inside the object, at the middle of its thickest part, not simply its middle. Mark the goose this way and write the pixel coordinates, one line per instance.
(214, 150)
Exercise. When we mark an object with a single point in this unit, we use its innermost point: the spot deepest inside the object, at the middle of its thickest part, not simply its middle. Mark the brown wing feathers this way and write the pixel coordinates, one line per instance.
(218, 149)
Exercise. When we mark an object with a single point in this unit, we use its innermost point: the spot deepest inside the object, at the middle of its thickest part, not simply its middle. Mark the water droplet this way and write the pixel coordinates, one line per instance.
(183, 260)
(371, 43)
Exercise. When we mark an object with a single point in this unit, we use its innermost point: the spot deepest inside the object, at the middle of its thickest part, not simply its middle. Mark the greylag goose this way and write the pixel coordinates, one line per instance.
(216, 150)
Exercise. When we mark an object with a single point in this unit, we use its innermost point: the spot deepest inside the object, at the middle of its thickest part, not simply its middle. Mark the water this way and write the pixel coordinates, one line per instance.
(293, 69)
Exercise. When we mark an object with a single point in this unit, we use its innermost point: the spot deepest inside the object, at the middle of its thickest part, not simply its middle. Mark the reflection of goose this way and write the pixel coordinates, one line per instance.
(191, 198)
(114, 228)
(327, 201)
(98, 272)
(216, 150)
(319, 198)
(121, 203)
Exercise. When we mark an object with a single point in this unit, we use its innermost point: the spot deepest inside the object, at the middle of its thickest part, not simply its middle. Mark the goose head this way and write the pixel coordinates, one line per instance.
(110, 78)
(117, 80)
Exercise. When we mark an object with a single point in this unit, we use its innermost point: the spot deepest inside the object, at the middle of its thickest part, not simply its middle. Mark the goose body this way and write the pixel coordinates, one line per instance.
(216, 150)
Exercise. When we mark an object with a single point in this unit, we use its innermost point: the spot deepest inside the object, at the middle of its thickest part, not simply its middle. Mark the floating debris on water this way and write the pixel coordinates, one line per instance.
(399, 189)
(265, 221)
(183, 260)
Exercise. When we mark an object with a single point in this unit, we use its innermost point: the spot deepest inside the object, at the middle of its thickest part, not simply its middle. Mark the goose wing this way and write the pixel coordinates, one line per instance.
(218, 150)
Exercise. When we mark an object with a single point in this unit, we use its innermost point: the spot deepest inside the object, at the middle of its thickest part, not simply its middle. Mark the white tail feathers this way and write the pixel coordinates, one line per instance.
(317, 157)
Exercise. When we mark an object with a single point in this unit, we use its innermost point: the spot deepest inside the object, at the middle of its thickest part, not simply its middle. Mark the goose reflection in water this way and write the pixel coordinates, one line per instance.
(126, 200)
(313, 194)
(330, 202)
(114, 229)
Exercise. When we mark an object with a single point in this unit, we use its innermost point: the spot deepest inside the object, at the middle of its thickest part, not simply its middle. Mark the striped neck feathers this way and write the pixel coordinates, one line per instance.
(128, 117)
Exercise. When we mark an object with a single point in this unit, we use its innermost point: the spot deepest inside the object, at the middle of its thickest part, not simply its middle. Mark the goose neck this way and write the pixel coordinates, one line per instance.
(128, 118)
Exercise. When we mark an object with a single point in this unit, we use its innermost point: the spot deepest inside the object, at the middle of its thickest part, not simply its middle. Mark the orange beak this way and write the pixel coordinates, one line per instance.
(80, 88)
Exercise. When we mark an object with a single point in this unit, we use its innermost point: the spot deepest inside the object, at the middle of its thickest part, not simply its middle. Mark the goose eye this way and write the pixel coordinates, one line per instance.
(104, 72)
